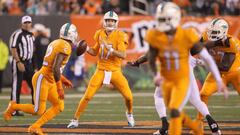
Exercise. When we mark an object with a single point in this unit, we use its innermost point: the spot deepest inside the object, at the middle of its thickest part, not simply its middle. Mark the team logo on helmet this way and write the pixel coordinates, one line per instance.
(69, 31)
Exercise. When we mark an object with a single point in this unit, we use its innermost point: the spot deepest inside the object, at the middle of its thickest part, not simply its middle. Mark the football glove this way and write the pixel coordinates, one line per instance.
(133, 64)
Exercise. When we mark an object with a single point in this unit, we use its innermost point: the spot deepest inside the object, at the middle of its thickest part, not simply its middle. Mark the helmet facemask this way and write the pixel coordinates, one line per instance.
(217, 30)
(110, 26)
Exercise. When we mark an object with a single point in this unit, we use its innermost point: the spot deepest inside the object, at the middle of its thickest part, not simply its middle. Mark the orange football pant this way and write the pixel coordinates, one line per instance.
(176, 93)
(118, 80)
(43, 91)
(210, 85)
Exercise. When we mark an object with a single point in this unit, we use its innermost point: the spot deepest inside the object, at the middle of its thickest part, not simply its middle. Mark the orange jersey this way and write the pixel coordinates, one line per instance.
(173, 55)
(55, 47)
(118, 40)
(227, 58)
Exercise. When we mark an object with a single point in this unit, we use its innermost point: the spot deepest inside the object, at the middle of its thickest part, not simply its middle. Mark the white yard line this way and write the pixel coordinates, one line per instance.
(190, 107)
(142, 94)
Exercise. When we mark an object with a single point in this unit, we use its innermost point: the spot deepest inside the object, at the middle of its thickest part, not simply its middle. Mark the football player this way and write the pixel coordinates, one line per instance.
(171, 44)
(48, 81)
(194, 98)
(110, 47)
(226, 55)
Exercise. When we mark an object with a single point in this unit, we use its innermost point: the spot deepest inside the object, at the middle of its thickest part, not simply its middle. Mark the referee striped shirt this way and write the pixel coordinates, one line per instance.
(23, 41)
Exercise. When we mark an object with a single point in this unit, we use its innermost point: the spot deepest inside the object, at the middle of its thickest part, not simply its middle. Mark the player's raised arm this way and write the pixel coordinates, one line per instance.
(207, 58)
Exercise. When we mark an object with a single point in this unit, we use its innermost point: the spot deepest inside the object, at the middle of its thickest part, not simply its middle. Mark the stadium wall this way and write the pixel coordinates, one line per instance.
(135, 26)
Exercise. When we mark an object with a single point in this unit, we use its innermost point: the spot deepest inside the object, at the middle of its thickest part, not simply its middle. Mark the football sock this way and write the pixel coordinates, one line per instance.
(164, 129)
(81, 106)
(129, 106)
(160, 107)
(201, 107)
(205, 100)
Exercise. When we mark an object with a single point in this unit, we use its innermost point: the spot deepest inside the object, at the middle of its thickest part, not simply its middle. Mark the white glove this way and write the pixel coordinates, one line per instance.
(222, 88)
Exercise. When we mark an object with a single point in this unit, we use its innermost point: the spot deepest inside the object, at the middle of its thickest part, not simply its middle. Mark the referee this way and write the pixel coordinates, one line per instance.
(22, 45)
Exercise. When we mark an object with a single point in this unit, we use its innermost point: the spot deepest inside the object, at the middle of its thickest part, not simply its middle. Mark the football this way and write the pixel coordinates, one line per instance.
(81, 47)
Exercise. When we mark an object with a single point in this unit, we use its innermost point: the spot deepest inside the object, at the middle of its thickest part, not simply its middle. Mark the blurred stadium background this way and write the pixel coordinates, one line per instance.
(136, 16)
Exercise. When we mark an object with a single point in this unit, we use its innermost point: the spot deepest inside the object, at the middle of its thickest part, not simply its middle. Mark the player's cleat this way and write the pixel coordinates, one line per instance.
(161, 132)
(130, 119)
(35, 131)
(156, 132)
(213, 125)
(17, 113)
(73, 124)
(165, 125)
(217, 133)
(8, 113)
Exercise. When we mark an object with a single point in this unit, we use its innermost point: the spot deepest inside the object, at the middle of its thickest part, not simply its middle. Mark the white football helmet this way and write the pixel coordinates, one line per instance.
(69, 31)
(112, 16)
(217, 29)
(168, 16)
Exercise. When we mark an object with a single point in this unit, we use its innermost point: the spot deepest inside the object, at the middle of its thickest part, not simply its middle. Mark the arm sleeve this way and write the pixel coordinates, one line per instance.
(210, 63)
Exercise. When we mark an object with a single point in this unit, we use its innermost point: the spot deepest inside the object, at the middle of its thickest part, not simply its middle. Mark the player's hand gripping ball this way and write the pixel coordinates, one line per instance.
(81, 47)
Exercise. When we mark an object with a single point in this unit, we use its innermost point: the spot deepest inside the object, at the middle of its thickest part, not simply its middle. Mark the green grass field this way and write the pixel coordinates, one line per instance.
(108, 105)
